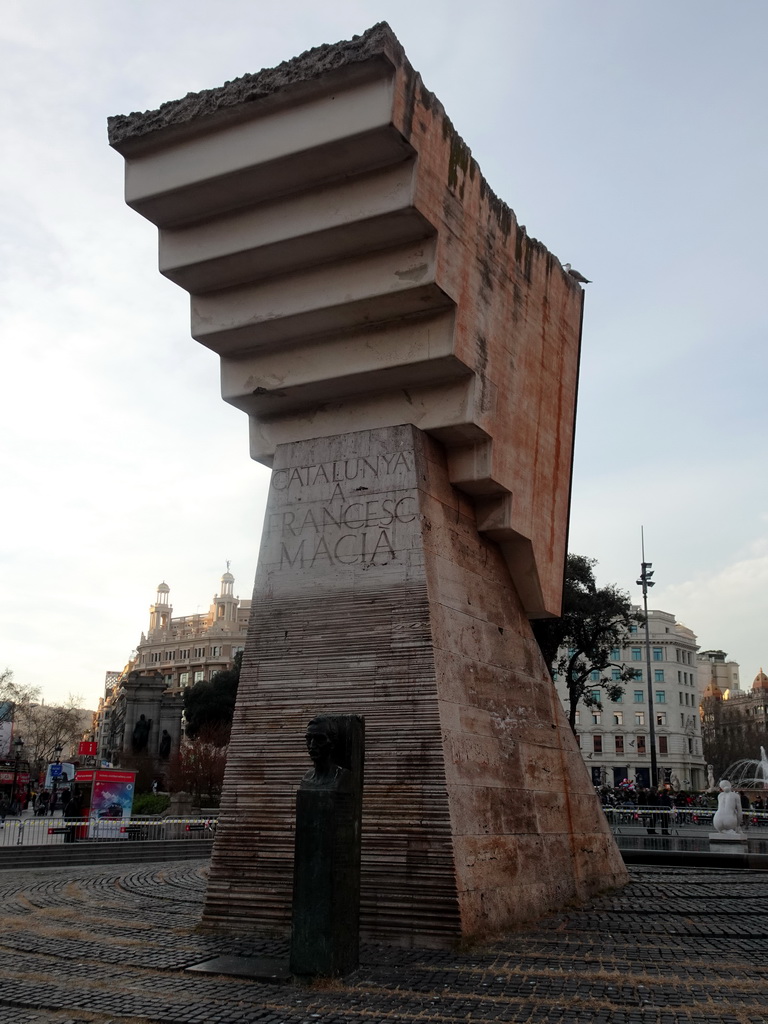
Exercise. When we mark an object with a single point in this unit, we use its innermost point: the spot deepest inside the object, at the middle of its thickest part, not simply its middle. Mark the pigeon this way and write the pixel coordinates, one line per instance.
(575, 274)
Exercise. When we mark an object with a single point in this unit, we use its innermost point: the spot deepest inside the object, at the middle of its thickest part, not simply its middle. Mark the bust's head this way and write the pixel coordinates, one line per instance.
(321, 741)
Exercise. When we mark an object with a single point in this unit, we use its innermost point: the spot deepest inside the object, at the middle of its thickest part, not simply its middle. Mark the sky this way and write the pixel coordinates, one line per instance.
(630, 138)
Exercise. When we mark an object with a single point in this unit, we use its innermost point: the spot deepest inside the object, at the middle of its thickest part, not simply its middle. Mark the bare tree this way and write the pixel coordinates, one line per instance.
(45, 727)
(15, 695)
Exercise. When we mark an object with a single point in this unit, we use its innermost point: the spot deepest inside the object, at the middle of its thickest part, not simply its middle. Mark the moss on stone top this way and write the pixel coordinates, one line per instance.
(314, 63)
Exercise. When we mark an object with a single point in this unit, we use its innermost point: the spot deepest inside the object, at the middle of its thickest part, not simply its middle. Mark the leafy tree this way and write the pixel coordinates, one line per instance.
(595, 621)
(212, 704)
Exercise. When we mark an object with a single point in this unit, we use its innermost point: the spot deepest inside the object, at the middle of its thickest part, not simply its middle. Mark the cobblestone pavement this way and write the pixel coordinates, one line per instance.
(111, 944)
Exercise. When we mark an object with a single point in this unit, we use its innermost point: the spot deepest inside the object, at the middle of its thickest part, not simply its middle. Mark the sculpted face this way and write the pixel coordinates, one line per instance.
(319, 746)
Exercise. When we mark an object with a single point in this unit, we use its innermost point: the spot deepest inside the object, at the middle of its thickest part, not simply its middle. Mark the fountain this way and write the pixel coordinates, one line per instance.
(748, 774)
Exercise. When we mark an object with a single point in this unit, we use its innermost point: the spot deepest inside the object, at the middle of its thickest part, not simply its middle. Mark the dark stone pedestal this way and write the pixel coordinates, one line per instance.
(326, 875)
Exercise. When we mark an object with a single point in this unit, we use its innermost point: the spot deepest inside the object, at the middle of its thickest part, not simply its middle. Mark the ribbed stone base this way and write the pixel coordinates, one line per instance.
(375, 595)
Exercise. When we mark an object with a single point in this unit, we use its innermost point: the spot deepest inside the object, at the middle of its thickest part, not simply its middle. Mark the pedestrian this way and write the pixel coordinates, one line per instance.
(72, 811)
(664, 803)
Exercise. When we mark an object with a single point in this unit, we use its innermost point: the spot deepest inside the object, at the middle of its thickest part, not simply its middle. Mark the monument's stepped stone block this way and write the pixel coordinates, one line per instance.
(350, 264)
(376, 593)
(407, 356)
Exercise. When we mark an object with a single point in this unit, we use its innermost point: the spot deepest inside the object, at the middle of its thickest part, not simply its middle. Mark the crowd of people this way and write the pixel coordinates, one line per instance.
(658, 808)
(45, 802)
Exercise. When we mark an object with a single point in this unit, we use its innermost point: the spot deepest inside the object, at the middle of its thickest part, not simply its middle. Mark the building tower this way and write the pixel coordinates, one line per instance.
(161, 611)
(225, 603)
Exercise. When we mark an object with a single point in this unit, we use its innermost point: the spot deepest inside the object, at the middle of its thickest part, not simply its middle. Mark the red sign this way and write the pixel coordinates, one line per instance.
(103, 775)
(87, 749)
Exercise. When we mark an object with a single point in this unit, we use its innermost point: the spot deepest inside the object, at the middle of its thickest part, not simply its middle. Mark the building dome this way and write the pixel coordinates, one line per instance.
(713, 690)
(227, 578)
(163, 588)
(761, 681)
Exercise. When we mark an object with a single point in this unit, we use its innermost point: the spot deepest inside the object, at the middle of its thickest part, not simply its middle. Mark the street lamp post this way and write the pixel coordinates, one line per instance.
(645, 582)
(19, 746)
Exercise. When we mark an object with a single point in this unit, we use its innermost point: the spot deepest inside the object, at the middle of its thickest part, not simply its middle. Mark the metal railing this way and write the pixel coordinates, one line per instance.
(628, 817)
(52, 830)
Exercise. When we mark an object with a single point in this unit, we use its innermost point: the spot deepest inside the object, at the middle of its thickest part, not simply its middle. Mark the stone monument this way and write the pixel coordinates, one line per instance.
(407, 356)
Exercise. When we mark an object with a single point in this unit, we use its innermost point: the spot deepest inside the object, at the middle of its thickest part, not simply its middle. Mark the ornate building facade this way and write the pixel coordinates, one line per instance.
(173, 653)
(735, 722)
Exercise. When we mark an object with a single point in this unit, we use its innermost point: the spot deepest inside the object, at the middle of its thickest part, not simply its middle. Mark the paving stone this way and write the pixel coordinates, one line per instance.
(113, 944)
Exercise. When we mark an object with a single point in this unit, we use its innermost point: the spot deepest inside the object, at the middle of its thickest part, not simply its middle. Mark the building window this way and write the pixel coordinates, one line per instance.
(682, 720)
(641, 744)
(680, 695)
(595, 695)
(594, 675)
(663, 745)
(637, 673)
(598, 744)
(215, 652)
(615, 654)
(619, 744)
(639, 718)
(658, 654)
(184, 655)
(618, 718)
(690, 746)
(637, 654)
(578, 740)
(596, 718)
(578, 718)
(199, 676)
(199, 652)
(638, 696)
(661, 696)
(184, 679)
(661, 718)
(615, 673)
(619, 699)
(633, 628)
(658, 675)
(169, 655)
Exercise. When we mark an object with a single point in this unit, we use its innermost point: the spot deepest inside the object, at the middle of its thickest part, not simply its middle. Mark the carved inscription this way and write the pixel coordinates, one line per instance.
(343, 526)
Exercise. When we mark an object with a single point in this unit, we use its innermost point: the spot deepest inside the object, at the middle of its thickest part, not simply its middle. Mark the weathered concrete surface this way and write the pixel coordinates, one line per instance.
(350, 264)
(407, 356)
(375, 593)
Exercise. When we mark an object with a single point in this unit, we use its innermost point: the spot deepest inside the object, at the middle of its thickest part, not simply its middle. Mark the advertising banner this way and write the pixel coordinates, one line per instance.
(111, 802)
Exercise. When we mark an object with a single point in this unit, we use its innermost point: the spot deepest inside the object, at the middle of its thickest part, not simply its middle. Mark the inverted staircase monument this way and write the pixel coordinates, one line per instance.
(407, 356)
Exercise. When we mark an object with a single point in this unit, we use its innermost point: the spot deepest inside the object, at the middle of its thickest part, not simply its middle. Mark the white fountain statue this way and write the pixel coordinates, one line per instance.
(727, 820)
